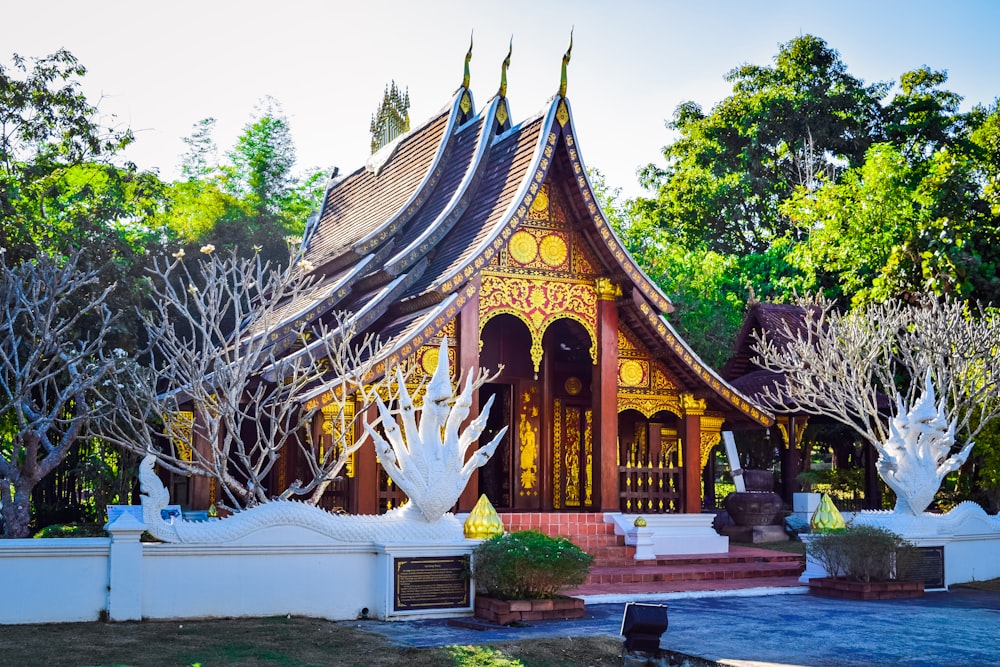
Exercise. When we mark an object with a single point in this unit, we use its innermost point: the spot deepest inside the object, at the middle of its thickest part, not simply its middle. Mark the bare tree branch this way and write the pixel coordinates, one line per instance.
(49, 373)
(850, 367)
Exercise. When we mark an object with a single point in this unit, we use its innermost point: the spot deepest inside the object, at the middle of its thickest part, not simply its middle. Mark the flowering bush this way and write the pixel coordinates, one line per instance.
(864, 553)
(528, 565)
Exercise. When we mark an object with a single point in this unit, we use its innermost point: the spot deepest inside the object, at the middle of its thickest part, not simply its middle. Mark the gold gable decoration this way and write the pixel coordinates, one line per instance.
(538, 303)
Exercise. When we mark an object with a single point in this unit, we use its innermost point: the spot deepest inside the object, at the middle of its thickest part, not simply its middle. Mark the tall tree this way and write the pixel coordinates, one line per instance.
(916, 216)
(253, 201)
(60, 185)
(797, 122)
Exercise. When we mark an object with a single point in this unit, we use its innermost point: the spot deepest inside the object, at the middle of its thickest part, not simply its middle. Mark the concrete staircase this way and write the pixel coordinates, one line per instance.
(615, 570)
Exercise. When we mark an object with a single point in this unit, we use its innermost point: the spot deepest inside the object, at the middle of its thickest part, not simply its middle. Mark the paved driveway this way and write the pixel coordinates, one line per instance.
(959, 627)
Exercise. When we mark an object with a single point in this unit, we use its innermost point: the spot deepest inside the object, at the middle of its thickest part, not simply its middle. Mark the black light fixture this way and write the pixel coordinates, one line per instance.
(642, 625)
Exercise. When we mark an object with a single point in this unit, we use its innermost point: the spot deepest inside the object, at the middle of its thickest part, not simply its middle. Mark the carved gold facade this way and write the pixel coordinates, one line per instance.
(338, 430)
(180, 430)
(644, 385)
(711, 434)
(538, 302)
(800, 428)
(528, 443)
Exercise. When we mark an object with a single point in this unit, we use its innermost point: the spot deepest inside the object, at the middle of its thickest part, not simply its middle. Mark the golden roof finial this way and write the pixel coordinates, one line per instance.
(503, 69)
(468, 57)
(565, 62)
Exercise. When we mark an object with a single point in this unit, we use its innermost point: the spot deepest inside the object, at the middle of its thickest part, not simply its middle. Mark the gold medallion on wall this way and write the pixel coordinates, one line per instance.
(523, 247)
(632, 373)
(540, 206)
(554, 251)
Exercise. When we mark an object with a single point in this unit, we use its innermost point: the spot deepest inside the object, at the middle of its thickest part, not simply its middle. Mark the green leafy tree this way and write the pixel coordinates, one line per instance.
(253, 201)
(899, 225)
(798, 122)
(60, 185)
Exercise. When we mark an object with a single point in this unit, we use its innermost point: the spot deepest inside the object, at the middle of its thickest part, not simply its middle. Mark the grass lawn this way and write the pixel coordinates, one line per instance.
(273, 641)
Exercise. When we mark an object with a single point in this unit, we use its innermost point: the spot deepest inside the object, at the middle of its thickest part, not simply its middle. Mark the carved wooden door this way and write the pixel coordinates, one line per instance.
(572, 456)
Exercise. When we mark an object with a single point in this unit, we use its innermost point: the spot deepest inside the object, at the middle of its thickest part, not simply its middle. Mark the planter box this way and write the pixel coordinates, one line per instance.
(848, 589)
(505, 612)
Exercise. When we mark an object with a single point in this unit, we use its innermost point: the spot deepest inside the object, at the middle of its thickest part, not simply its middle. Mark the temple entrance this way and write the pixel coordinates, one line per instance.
(511, 479)
(495, 479)
(569, 372)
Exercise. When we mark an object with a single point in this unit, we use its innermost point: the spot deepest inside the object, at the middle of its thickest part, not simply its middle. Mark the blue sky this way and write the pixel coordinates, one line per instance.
(161, 67)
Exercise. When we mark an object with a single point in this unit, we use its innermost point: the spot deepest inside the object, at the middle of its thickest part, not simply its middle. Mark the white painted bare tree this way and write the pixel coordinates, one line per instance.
(49, 369)
(852, 367)
(224, 370)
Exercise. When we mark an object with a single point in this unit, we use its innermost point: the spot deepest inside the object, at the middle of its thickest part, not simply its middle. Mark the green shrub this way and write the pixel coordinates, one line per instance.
(528, 565)
(864, 553)
(73, 530)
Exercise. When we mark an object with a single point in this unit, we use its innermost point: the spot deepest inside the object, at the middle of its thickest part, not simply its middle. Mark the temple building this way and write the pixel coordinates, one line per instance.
(483, 230)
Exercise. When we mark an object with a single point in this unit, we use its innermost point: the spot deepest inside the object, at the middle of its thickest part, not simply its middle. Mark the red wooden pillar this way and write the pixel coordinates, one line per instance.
(605, 396)
(693, 409)
(366, 469)
(468, 362)
(202, 491)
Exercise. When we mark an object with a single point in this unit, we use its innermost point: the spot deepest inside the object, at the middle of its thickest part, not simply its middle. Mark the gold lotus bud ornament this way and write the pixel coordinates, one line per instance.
(483, 521)
(639, 522)
(826, 518)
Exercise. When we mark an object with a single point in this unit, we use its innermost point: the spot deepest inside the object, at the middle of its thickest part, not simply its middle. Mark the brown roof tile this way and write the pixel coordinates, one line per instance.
(363, 202)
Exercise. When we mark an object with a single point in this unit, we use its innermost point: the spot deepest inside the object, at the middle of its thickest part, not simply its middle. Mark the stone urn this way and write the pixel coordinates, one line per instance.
(758, 505)
(761, 481)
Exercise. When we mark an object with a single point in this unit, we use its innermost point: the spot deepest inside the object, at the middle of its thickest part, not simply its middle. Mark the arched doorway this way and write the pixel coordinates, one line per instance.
(568, 387)
(510, 478)
(547, 461)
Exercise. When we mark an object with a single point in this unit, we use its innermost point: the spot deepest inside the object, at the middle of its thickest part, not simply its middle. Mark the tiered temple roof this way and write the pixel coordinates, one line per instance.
(401, 241)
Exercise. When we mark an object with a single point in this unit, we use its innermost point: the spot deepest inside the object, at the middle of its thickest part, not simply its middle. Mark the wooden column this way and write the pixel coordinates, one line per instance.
(693, 409)
(468, 362)
(202, 491)
(605, 397)
(789, 457)
(366, 469)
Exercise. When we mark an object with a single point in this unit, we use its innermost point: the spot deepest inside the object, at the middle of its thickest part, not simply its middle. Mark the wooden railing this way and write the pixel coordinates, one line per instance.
(650, 488)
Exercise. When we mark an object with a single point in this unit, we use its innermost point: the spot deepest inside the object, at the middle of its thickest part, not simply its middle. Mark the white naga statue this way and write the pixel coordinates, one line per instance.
(427, 461)
(915, 457)
(425, 458)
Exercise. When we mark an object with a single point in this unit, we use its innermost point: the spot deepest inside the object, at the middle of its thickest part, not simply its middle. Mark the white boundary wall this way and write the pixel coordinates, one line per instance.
(71, 580)
(54, 580)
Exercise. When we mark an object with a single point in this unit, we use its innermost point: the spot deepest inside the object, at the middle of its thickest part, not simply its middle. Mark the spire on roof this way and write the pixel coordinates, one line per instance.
(392, 117)
(565, 62)
(503, 69)
(468, 57)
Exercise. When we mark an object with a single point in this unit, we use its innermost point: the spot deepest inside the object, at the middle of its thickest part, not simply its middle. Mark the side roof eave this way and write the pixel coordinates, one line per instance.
(459, 200)
(604, 230)
(683, 352)
(422, 191)
(332, 254)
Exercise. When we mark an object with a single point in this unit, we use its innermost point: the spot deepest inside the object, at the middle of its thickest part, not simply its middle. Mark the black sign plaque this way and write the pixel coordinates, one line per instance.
(431, 582)
(929, 567)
